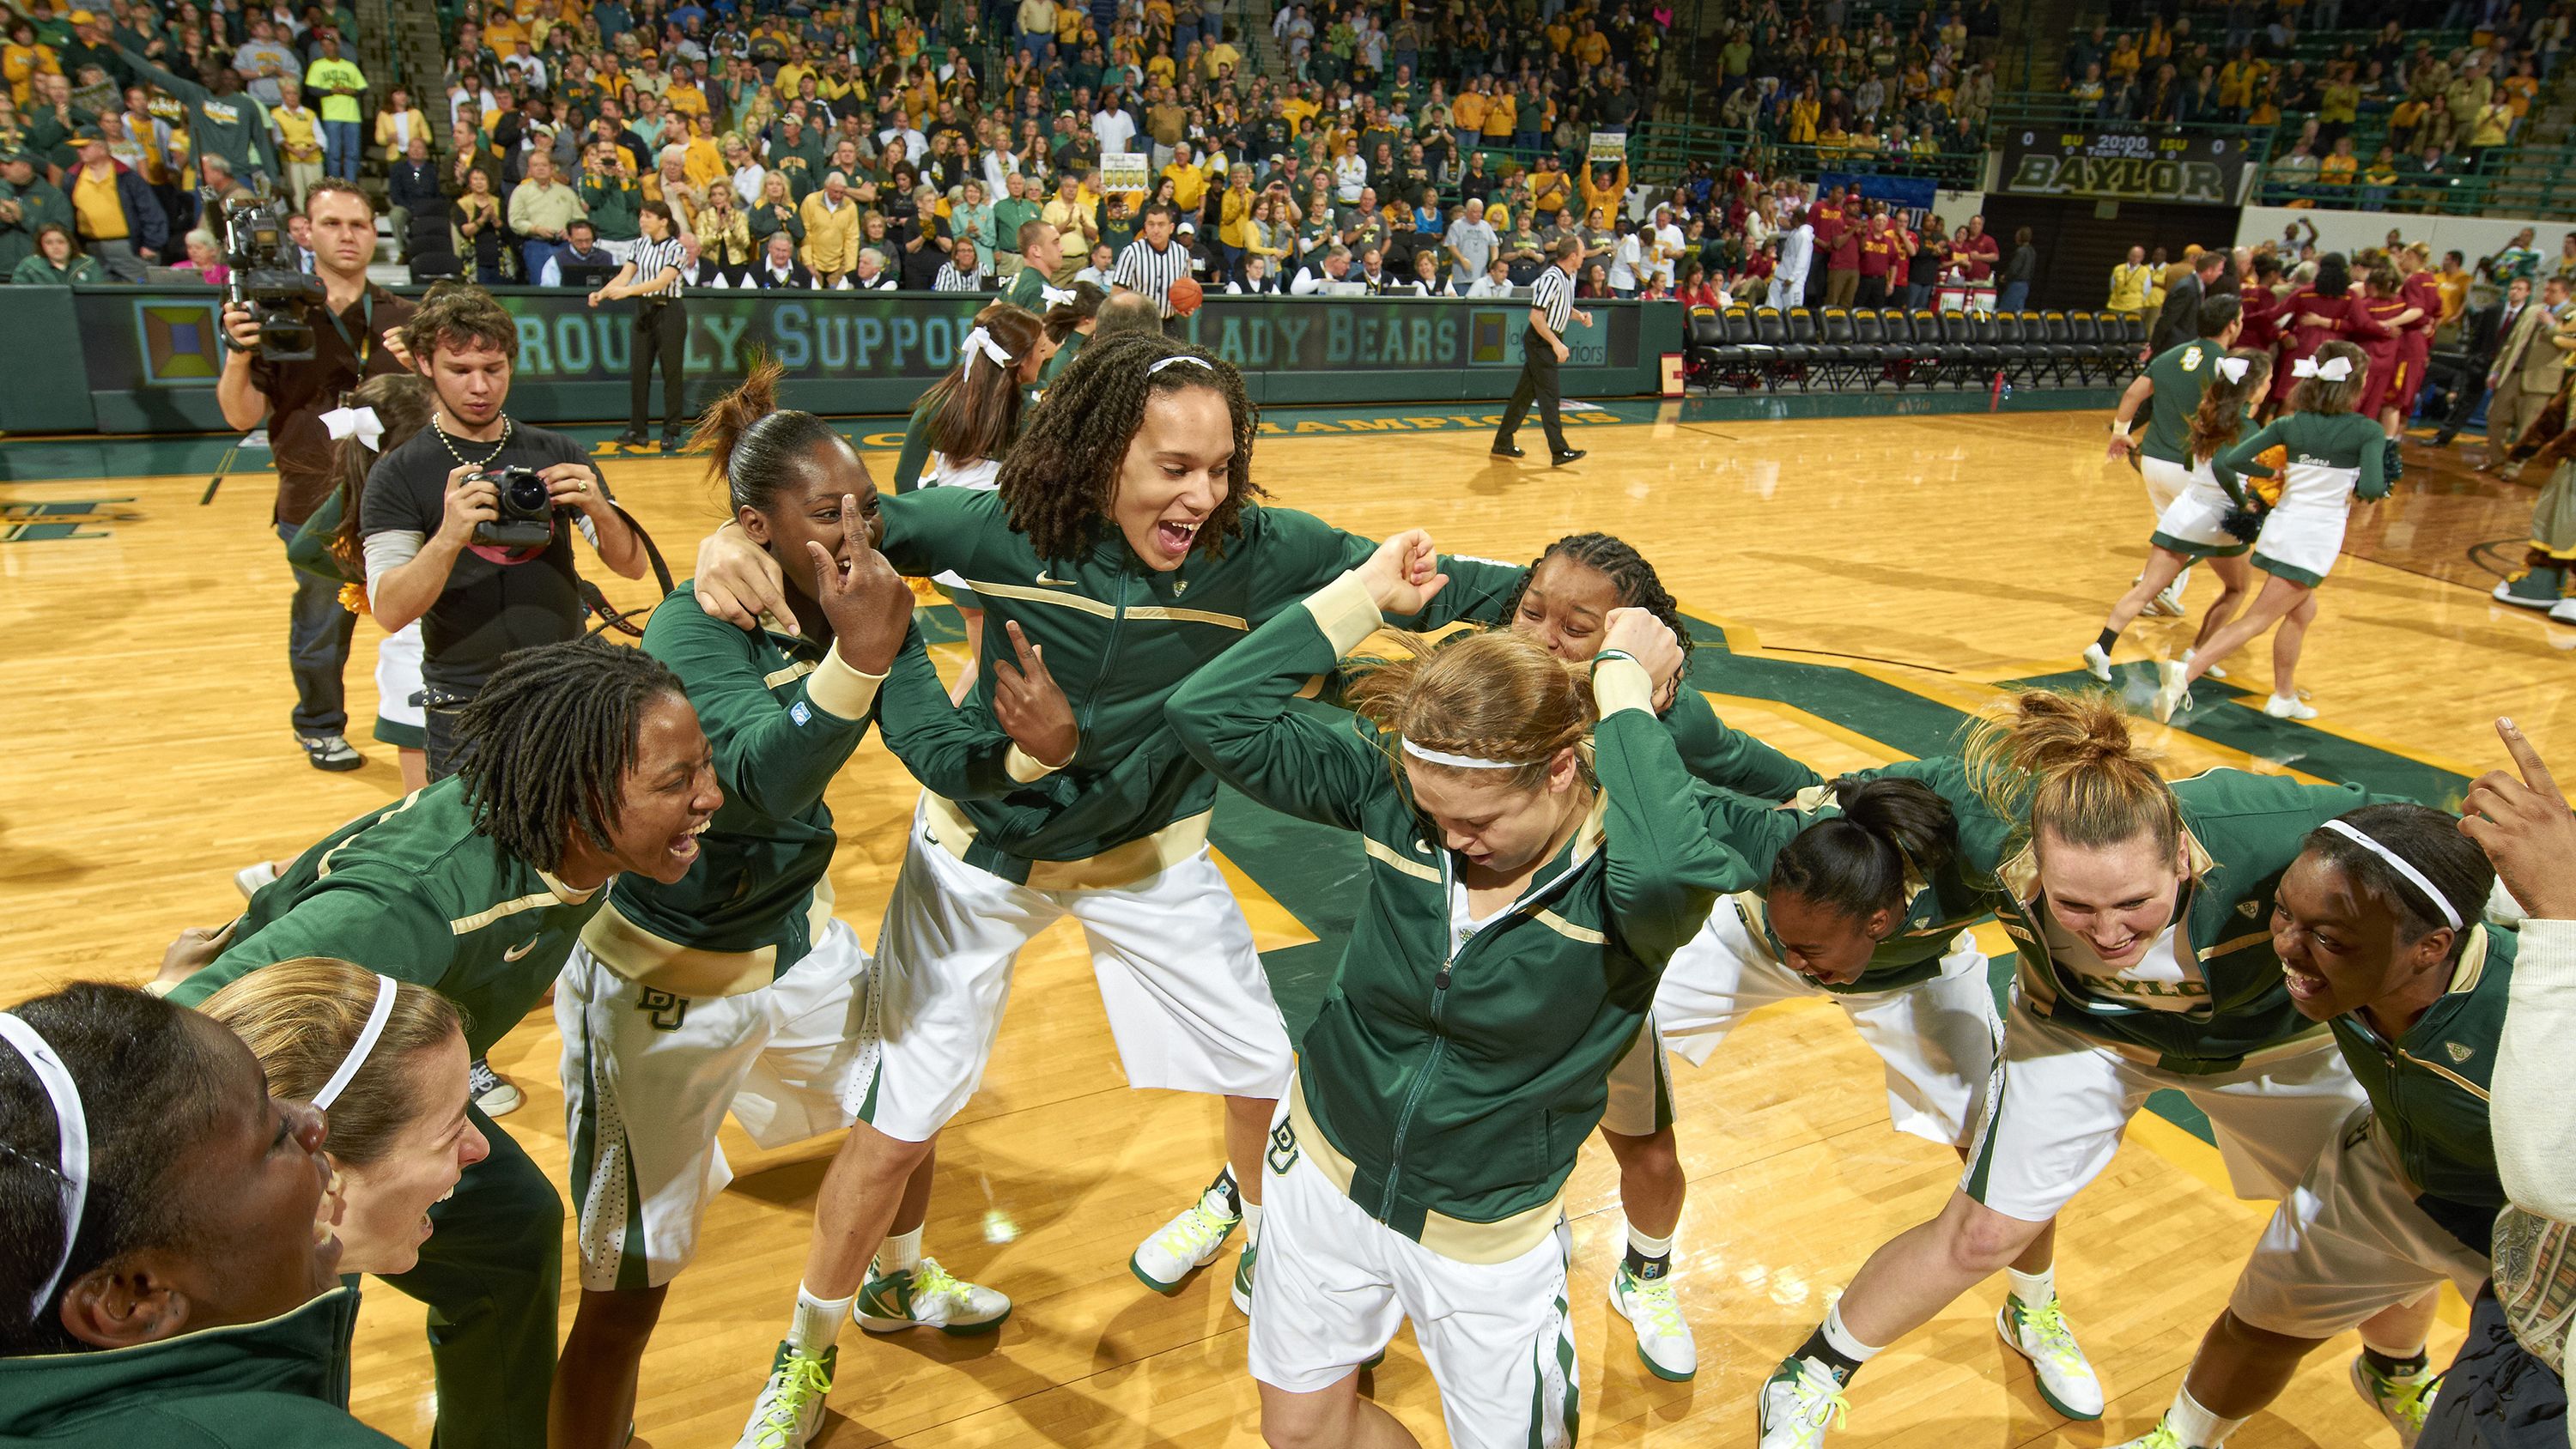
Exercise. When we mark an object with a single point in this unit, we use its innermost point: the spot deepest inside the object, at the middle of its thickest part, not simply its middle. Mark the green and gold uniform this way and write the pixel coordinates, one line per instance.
(1028, 291)
(784, 714)
(2428, 1088)
(415, 892)
(1447, 1084)
(1120, 637)
(269, 1385)
(2179, 375)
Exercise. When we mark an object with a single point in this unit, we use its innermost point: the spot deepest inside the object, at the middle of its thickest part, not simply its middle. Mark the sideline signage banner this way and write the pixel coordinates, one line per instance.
(147, 342)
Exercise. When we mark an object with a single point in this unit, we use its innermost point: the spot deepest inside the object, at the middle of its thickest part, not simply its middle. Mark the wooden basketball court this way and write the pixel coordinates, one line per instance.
(1873, 579)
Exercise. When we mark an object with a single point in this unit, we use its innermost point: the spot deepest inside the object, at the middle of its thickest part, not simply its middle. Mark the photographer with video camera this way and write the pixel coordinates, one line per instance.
(466, 526)
(294, 344)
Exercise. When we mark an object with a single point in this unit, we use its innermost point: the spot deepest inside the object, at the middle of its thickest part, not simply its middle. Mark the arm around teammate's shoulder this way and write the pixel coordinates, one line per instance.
(362, 914)
(772, 756)
(1728, 758)
(1234, 715)
(1663, 864)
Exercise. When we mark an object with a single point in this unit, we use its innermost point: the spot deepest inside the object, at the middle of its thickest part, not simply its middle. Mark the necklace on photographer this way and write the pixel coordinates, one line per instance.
(449, 443)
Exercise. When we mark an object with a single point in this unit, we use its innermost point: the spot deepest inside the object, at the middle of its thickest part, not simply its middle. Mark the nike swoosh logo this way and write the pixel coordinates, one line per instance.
(515, 952)
(1054, 583)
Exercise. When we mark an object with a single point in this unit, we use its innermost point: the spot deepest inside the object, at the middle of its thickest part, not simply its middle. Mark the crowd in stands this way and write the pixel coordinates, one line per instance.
(888, 145)
(1854, 87)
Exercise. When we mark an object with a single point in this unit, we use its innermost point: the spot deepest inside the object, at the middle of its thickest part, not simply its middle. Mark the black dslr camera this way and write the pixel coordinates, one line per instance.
(267, 279)
(527, 511)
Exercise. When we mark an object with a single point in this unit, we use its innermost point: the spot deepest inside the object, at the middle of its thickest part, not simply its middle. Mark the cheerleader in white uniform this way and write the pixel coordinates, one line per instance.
(2331, 454)
(2190, 528)
(961, 428)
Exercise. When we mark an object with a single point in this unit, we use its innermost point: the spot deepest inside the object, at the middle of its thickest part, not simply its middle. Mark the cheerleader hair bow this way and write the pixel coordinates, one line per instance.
(982, 341)
(359, 423)
(2235, 368)
(2332, 370)
(1055, 296)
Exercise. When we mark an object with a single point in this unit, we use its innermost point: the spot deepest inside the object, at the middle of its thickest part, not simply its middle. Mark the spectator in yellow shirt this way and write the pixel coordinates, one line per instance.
(831, 230)
(2131, 281)
(1189, 180)
(23, 59)
(1500, 117)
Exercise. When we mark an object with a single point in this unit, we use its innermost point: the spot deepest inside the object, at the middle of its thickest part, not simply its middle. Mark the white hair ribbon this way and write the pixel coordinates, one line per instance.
(368, 1036)
(2334, 370)
(1463, 762)
(2402, 866)
(360, 423)
(2235, 368)
(71, 1126)
(982, 341)
(1054, 296)
(1178, 357)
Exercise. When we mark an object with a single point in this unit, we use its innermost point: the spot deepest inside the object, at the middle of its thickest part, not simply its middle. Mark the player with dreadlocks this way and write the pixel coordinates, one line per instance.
(737, 990)
(581, 761)
(1126, 531)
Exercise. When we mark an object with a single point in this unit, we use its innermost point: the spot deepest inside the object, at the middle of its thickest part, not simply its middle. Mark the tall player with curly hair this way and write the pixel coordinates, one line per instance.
(1128, 541)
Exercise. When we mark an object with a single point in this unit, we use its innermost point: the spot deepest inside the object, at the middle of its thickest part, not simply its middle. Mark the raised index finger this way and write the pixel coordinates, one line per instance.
(2527, 760)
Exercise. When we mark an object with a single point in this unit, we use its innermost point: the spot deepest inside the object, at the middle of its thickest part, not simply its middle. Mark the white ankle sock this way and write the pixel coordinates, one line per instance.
(900, 1253)
(817, 1323)
(2195, 1425)
(2033, 1290)
(1647, 1247)
(1842, 1339)
(1251, 1224)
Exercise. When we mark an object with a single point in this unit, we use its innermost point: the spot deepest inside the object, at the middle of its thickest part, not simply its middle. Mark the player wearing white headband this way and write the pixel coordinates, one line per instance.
(168, 1273)
(2377, 927)
(1127, 540)
(386, 1059)
(1528, 874)
(2332, 455)
(965, 423)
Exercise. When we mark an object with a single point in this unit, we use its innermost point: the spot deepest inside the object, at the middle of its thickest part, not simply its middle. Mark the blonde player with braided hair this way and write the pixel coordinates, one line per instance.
(1531, 866)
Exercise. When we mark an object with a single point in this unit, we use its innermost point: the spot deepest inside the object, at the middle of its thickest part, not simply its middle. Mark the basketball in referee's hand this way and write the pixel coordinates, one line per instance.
(1185, 296)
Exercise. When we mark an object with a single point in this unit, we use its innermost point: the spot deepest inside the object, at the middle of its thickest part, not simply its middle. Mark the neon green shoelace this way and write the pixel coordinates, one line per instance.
(1194, 1232)
(933, 1281)
(2410, 1400)
(1662, 1304)
(2048, 1328)
(801, 1381)
(1821, 1403)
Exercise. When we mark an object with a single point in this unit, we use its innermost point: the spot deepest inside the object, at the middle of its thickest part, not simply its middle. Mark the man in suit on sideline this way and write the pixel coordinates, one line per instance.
(2482, 335)
(2179, 321)
(2526, 374)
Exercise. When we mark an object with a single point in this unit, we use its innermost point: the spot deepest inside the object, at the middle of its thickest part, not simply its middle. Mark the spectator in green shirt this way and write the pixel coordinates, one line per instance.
(58, 261)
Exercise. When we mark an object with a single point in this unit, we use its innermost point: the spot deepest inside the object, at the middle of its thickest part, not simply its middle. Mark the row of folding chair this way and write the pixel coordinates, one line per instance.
(1839, 349)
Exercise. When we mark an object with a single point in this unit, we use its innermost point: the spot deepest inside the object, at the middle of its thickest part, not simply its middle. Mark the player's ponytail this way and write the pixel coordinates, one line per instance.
(2431, 845)
(2220, 418)
(1491, 695)
(754, 445)
(974, 411)
(1858, 862)
(2064, 764)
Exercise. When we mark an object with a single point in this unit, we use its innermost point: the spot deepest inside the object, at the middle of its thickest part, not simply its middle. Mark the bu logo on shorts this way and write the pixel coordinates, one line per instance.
(1283, 1148)
(667, 1011)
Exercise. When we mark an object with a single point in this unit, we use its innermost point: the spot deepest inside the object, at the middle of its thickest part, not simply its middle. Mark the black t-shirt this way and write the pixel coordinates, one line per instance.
(489, 608)
(920, 269)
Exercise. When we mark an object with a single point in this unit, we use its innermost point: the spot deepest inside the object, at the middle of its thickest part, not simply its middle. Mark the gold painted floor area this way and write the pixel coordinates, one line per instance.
(145, 701)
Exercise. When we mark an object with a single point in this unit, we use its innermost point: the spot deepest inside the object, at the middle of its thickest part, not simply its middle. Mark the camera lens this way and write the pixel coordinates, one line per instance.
(526, 493)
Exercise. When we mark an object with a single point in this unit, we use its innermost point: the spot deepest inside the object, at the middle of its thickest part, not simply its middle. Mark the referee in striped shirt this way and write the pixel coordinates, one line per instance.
(652, 277)
(1542, 348)
(1153, 262)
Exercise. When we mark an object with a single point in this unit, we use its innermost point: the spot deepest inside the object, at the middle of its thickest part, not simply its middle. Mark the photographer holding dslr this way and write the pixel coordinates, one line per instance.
(466, 526)
(289, 360)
